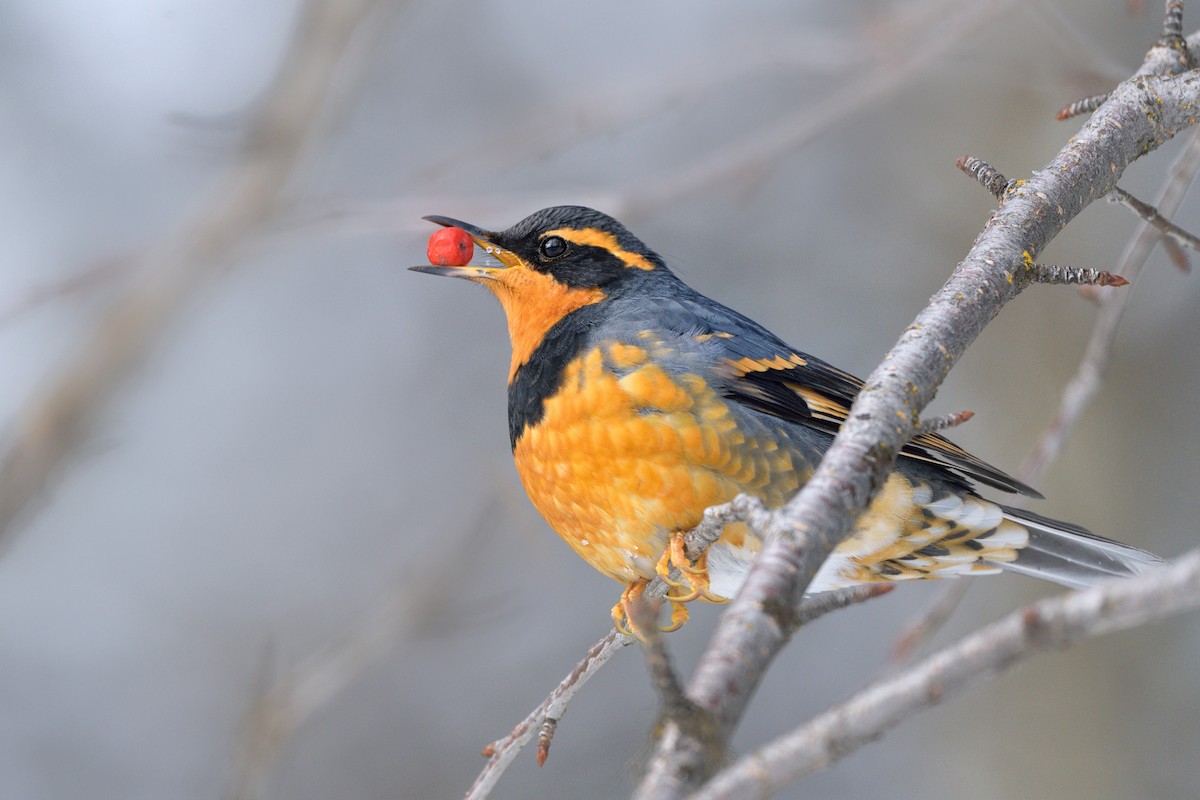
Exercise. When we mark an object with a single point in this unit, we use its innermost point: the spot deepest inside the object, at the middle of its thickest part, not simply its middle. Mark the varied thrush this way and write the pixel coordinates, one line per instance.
(635, 403)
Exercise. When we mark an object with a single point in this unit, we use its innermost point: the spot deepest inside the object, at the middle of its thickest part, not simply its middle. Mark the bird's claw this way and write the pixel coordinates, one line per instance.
(694, 586)
(695, 578)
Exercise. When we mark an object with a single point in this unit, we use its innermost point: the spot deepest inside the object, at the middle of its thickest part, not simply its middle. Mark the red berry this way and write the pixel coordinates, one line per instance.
(450, 247)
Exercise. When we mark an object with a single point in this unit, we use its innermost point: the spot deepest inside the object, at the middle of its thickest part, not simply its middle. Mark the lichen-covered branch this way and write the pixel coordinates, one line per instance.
(1139, 115)
(1050, 624)
(1083, 384)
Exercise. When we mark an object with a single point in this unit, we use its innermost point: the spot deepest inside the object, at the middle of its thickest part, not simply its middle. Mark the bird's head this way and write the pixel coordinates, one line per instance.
(573, 246)
(550, 264)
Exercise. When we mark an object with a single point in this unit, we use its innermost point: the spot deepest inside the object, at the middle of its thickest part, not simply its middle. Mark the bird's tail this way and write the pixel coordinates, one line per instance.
(1071, 555)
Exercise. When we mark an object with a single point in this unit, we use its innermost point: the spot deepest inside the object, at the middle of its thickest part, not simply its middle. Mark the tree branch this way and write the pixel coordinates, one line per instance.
(543, 720)
(1140, 114)
(1053, 623)
(85, 278)
(1155, 218)
(1079, 390)
(502, 752)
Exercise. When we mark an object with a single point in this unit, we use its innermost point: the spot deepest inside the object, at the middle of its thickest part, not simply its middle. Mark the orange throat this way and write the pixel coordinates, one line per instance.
(534, 303)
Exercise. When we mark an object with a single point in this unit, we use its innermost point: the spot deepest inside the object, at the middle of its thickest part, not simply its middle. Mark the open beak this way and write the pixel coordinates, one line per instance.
(483, 240)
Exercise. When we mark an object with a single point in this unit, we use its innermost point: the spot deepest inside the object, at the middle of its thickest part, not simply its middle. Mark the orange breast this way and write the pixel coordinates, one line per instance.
(627, 452)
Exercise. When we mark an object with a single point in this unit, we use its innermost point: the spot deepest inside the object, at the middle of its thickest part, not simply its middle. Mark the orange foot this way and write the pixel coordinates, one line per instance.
(622, 614)
(622, 617)
(694, 586)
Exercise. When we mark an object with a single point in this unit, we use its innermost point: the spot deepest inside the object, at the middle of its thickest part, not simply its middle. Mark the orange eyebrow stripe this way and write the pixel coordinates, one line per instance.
(594, 237)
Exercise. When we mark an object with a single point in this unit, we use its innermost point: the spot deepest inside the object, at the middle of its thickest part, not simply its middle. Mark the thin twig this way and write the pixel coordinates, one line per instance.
(944, 422)
(988, 176)
(544, 719)
(644, 621)
(1151, 215)
(818, 605)
(1172, 32)
(502, 752)
(1053, 623)
(1085, 106)
(1074, 276)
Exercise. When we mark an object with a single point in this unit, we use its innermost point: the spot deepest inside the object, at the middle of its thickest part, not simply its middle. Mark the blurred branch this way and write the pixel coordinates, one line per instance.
(1155, 218)
(673, 703)
(1069, 37)
(1051, 624)
(621, 104)
(888, 66)
(54, 290)
(415, 603)
(924, 625)
(886, 55)
(1141, 114)
(56, 420)
(1083, 386)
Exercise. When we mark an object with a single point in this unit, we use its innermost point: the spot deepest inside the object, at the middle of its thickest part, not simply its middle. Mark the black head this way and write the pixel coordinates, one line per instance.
(578, 247)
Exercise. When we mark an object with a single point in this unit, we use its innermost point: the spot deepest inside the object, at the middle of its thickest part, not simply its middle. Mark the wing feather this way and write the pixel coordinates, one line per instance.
(758, 370)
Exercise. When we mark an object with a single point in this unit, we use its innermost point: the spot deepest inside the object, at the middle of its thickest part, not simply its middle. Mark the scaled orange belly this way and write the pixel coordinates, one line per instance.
(626, 453)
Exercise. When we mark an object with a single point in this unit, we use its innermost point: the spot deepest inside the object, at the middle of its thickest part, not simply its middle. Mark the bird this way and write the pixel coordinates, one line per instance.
(635, 403)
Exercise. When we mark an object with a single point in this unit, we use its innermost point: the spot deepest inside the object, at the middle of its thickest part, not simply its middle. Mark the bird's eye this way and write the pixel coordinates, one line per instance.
(552, 247)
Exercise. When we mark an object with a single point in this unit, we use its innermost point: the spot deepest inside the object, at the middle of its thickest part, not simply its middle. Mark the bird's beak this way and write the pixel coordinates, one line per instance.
(484, 241)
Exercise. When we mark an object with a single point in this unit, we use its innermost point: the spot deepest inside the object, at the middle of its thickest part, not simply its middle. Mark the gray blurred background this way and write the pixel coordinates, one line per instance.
(308, 484)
